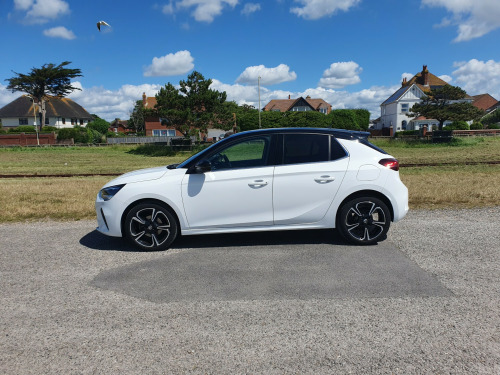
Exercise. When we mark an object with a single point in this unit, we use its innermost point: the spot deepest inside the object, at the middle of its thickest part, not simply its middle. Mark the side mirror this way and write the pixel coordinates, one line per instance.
(203, 166)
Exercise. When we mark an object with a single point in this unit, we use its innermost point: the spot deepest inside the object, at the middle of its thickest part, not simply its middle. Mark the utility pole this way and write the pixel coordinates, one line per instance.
(34, 124)
(258, 83)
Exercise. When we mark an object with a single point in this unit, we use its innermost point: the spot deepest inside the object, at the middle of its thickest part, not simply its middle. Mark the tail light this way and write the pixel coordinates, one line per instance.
(390, 163)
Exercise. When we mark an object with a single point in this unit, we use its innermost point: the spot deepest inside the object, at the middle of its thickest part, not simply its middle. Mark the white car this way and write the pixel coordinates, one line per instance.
(272, 179)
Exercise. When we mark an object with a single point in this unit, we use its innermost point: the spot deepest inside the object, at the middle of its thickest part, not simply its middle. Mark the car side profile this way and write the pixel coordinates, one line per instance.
(270, 179)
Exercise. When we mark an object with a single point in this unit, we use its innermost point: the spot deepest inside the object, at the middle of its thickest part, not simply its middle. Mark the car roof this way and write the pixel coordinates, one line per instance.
(337, 133)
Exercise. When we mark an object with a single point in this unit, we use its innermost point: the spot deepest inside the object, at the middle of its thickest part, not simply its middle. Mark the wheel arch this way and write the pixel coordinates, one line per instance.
(367, 193)
(149, 200)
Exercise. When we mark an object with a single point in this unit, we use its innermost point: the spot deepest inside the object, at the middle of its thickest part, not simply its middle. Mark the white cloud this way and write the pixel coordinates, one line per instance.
(168, 8)
(341, 74)
(59, 32)
(6, 96)
(23, 4)
(170, 65)
(446, 78)
(206, 10)
(42, 11)
(250, 8)
(269, 76)
(111, 104)
(315, 9)
(473, 18)
(478, 77)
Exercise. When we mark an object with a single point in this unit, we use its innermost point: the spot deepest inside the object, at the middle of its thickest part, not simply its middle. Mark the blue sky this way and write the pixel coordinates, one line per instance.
(352, 53)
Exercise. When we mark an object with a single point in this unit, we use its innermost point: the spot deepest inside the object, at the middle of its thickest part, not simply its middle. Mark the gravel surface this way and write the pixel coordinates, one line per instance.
(54, 320)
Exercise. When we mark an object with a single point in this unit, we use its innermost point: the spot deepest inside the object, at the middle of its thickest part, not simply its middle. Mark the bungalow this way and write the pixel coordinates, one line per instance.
(298, 105)
(60, 113)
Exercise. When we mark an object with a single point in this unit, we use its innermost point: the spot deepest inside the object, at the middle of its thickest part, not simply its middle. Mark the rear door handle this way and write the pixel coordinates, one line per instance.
(324, 179)
(258, 183)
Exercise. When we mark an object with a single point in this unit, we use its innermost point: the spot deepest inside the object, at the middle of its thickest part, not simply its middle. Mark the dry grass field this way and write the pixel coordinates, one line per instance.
(72, 198)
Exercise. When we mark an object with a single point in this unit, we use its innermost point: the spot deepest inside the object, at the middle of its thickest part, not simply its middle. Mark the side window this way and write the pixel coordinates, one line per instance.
(336, 151)
(305, 148)
(249, 153)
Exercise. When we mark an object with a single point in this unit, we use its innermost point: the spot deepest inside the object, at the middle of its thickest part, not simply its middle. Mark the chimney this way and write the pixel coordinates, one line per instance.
(144, 100)
(425, 75)
(308, 97)
(288, 96)
(404, 83)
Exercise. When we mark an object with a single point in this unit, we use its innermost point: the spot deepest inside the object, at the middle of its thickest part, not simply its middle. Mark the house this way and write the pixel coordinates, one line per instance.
(156, 127)
(119, 126)
(298, 105)
(60, 113)
(485, 102)
(394, 111)
(152, 125)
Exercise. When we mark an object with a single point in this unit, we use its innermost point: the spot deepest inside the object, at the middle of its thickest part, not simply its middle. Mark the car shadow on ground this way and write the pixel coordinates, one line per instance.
(98, 241)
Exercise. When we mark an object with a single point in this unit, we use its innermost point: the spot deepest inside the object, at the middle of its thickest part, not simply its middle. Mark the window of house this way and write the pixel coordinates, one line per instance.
(305, 148)
(164, 133)
(47, 121)
(404, 124)
(323, 110)
(301, 109)
(23, 121)
(81, 121)
(404, 107)
(73, 121)
(63, 120)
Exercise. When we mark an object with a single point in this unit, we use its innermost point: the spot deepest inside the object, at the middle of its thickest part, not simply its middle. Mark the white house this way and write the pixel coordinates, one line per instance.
(394, 111)
(60, 113)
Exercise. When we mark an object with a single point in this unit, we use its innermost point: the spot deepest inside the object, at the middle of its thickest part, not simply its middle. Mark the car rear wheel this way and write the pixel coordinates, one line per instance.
(364, 220)
(150, 227)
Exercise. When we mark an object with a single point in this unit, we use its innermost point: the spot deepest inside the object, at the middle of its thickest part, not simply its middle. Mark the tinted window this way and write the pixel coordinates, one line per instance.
(337, 151)
(244, 154)
(305, 148)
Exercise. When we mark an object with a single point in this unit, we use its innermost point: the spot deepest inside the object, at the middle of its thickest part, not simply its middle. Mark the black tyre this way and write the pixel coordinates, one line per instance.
(150, 227)
(364, 220)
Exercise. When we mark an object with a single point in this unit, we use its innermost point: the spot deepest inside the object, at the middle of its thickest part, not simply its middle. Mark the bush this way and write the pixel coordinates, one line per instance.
(362, 117)
(494, 126)
(152, 150)
(476, 126)
(344, 119)
(100, 125)
(457, 125)
(23, 129)
(2, 131)
(407, 132)
(49, 129)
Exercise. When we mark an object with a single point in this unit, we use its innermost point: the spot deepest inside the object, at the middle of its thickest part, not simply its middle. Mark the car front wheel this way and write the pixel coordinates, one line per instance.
(150, 226)
(364, 220)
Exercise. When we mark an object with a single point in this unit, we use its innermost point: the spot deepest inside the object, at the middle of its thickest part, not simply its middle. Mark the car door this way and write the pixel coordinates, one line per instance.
(313, 167)
(237, 192)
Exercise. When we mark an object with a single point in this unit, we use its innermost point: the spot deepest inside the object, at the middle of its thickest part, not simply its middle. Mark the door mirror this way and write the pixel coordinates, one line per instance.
(202, 166)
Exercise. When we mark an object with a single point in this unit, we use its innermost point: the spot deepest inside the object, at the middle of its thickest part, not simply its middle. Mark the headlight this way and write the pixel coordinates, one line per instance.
(109, 192)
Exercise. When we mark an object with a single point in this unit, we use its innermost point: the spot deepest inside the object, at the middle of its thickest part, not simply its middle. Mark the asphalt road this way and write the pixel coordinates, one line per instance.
(424, 301)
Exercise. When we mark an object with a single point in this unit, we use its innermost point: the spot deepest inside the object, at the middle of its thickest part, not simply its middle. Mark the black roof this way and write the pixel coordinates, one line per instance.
(55, 107)
(337, 133)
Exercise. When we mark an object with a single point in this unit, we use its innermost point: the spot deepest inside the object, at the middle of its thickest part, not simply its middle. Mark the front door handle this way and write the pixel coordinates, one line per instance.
(258, 183)
(324, 179)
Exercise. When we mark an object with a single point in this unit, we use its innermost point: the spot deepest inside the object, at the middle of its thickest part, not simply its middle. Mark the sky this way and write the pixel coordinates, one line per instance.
(351, 53)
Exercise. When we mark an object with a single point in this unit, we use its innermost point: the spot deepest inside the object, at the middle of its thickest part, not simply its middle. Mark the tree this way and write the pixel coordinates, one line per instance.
(136, 120)
(99, 125)
(49, 79)
(446, 103)
(193, 107)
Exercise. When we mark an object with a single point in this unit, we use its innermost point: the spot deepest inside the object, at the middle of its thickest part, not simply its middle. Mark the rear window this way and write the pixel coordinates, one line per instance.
(371, 145)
